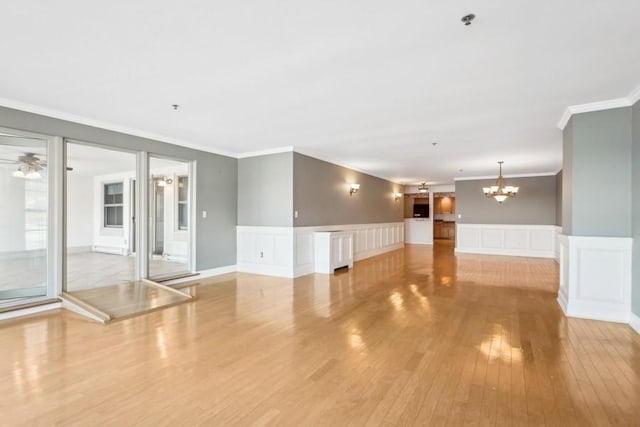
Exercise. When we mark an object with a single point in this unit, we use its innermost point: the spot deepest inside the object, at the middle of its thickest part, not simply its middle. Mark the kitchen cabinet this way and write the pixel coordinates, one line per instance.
(444, 230)
(444, 205)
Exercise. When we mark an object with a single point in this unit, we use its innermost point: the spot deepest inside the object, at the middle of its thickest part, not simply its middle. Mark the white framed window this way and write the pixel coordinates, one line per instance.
(183, 203)
(113, 204)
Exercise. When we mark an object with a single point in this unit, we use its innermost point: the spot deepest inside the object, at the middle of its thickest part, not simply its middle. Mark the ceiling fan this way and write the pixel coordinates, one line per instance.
(29, 165)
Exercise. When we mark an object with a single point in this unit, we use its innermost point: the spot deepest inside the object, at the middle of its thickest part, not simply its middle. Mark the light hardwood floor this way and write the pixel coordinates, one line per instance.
(406, 338)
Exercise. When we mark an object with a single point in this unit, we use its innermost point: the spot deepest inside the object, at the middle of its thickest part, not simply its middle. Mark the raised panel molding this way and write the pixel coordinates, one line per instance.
(289, 251)
(595, 277)
(506, 239)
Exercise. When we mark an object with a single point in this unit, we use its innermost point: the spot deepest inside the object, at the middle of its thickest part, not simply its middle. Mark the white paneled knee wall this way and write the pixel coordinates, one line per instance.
(506, 239)
(289, 251)
(595, 277)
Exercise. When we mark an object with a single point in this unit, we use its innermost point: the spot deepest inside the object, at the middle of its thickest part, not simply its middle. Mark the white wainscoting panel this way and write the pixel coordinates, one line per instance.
(558, 237)
(289, 251)
(507, 239)
(595, 277)
(265, 250)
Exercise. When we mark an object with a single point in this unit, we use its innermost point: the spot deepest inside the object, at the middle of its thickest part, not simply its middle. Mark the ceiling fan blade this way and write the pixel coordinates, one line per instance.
(9, 162)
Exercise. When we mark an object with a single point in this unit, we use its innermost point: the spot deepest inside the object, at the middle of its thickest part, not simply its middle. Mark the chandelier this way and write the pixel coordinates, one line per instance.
(423, 188)
(500, 192)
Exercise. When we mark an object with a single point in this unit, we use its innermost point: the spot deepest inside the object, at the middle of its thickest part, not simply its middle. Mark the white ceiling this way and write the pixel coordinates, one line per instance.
(370, 84)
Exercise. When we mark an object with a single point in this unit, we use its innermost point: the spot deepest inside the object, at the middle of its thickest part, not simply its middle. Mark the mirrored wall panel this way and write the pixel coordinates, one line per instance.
(24, 212)
(101, 217)
(169, 207)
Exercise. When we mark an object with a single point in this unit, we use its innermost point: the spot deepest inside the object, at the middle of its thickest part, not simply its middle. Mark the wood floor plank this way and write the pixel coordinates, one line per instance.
(417, 336)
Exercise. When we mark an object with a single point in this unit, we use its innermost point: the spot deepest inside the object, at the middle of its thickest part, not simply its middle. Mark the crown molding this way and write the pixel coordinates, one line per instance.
(608, 104)
(74, 118)
(634, 96)
(266, 152)
(517, 175)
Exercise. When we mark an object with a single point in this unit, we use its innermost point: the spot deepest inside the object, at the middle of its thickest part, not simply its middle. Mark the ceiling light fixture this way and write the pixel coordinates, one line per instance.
(27, 172)
(468, 19)
(500, 192)
(164, 181)
(423, 188)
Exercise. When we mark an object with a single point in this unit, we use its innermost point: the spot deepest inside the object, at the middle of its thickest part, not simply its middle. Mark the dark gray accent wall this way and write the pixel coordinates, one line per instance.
(265, 190)
(535, 203)
(321, 195)
(601, 173)
(559, 199)
(216, 179)
(635, 197)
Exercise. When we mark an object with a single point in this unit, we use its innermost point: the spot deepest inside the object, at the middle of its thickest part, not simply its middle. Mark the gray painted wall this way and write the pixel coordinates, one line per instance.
(559, 199)
(535, 203)
(216, 179)
(635, 196)
(321, 195)
(601, 173)
(567, 178)
(265, 195)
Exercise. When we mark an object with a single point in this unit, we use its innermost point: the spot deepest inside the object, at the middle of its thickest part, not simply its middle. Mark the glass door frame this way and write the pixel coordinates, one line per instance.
(55, 234)
(144, 165)
(137, 179)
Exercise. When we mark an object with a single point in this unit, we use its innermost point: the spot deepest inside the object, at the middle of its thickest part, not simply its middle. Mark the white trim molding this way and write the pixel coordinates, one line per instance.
(608, 104)
(634, 322)
(30, 310)
(82, 120)
(290, 251)
(595, 277)
(507, 239)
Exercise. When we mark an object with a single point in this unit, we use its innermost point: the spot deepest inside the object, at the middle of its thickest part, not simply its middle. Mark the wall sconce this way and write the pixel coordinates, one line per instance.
(164, 181)
(353, 188)
(397, 196)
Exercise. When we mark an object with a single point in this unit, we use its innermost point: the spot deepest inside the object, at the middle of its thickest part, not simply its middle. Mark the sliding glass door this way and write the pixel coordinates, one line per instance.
(100, 189)
(24, 219)
(169, 212)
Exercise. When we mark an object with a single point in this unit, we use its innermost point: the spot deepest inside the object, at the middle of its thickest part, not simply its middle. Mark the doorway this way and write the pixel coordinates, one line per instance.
(169, 225)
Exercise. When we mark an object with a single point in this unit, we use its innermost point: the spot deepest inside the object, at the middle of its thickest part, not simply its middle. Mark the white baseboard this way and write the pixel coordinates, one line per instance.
(375, 252)
(30, 310)
(507, 239)
(111, 250)
(203, 274)
(266, 270)
(634, 322)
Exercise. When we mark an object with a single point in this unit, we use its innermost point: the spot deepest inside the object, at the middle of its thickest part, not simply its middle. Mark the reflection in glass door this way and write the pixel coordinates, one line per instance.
(100, 213)
(24, 225)
(169, 212)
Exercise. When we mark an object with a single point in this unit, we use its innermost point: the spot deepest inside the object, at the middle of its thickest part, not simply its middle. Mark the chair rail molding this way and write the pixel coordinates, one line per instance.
(595, 277)
(507, 239)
